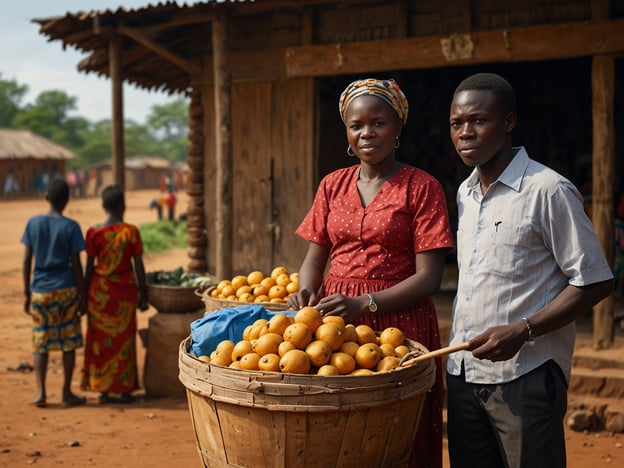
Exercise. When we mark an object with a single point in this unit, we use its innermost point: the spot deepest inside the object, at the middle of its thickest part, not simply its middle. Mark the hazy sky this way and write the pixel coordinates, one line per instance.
(27, 57)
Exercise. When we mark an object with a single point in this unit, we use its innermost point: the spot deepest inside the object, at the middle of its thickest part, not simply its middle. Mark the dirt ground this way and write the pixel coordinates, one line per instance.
(148, 432)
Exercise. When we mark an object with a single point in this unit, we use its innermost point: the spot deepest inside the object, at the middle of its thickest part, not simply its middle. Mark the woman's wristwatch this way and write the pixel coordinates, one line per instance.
(372, 305)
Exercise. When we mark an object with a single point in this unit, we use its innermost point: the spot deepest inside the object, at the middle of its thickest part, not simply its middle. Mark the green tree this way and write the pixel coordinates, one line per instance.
(169, 125)
(11, 95)
(48, 116)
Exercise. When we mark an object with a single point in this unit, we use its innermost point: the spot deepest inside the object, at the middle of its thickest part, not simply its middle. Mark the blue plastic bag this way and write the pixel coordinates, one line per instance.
(225, 324)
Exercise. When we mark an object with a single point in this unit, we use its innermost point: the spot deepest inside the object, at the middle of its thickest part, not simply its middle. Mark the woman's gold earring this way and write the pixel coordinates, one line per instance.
(397, 143)
(350, 151)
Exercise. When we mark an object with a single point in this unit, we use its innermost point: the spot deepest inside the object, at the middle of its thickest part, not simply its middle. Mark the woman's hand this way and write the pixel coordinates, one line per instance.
(302, 298)
(349, 308)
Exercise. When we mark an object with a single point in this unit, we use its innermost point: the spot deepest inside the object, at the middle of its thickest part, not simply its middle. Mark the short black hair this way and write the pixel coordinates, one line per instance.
(496, 84)
(58, 191)
(113, 197)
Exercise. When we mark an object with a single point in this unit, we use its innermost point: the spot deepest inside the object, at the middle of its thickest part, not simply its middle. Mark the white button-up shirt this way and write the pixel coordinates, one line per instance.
(518, 247)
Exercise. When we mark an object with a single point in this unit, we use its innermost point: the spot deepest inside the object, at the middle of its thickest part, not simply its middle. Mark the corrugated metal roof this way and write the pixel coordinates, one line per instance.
(22, 144)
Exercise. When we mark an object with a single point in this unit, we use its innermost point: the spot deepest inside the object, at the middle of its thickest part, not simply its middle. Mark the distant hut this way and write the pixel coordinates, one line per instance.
(141, 172)
(32, 158)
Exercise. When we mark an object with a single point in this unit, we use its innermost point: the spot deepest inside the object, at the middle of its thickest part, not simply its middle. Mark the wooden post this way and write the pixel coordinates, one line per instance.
(603, 174)
(117, 124)
(223, 149)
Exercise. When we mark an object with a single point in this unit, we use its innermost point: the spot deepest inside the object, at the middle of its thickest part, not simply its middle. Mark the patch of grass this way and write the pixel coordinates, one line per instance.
(163, 235)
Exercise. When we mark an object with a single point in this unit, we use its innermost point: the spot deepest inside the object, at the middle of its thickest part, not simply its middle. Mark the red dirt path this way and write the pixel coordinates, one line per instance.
(149, 432)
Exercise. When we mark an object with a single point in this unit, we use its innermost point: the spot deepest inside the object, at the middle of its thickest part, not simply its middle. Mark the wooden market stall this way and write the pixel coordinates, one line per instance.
(263, 78)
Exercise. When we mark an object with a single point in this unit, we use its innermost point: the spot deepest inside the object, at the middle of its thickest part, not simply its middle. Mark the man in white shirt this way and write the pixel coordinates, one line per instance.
(530, 264)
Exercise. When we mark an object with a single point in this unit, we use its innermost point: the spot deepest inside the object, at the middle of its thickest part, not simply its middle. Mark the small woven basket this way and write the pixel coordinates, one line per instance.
(174, 299)
(213, 304)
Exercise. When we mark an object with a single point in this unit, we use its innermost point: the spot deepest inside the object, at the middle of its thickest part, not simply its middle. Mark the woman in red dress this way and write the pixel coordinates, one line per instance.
(115, 278)
(384, 227)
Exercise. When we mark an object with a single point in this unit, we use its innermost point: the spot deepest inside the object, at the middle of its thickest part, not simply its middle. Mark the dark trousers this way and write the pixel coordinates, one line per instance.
(518, 424)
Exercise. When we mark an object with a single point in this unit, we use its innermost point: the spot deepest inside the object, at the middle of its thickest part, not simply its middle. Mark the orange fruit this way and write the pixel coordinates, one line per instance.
(228, 290)
(257, 327)
(331, 333)
(240, 349)
(278, 270)
(246, 297)
(238, 281)
(220, 359)
(349, 347)
(401, 350)
(310, 316)
(235, 365)
(335, 319)
(225, 347)
(268, 282)
(343, 362)
(349, 332)
(282, 279)
(298, 334)
(368, 355)
(267, 344)
(255, 277)
(365, 334)
(269, 362)
(277, 300)
(361, 371)
(244, 289)
(278, 323)
(327, 370)
(214, 292)
(292, 287)
(222, 284)
(277, 292)
(231, 297)
(204, 358)
(319, 353)
(284, 347)
(294, 276)
(295, 361)
(387, 350)
(392, 335)
(250, 361)
(262, 298)
(387, 363)
(247, 332)
(259, 290)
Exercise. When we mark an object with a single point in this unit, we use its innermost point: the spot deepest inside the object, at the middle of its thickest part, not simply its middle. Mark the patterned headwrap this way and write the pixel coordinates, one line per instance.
(388, 90)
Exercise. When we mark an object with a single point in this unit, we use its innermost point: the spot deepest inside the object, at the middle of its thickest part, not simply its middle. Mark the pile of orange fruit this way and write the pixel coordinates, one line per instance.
(309, 343)
(256, 287)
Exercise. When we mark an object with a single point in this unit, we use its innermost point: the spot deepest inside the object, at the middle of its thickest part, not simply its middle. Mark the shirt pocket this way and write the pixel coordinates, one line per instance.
(508, 249)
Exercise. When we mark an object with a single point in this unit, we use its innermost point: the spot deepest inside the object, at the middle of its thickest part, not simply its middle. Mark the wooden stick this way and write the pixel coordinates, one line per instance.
(436, 353)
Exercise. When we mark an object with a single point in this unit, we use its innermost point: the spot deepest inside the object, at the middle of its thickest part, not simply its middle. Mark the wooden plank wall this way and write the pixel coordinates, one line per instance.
(251, 137)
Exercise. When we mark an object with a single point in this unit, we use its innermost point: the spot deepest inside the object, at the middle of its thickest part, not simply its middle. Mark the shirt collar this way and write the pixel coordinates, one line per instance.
(511, 176)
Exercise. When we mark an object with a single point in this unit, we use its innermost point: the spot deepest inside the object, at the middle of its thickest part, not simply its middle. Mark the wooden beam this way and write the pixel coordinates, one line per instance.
(136, 35)
(603, 177)
(117, 120)
(223, 149)
(545, 42)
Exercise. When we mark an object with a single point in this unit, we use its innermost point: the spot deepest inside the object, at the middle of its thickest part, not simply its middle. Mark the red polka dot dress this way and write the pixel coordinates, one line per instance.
(373, 248)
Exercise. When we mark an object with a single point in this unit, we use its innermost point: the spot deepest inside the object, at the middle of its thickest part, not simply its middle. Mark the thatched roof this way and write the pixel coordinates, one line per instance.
(23, 144)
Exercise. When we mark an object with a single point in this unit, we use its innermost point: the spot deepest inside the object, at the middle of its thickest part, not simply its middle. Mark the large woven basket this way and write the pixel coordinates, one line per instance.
(174, 299)
(213, 304)
(259, 419)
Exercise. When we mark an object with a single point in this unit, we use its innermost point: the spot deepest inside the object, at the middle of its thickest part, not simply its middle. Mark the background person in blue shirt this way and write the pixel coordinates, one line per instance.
(55, 299)
(530, 264)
